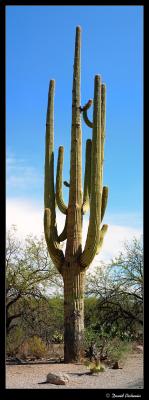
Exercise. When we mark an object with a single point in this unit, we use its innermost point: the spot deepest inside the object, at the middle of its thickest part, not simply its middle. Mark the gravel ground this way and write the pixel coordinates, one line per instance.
(34, 376)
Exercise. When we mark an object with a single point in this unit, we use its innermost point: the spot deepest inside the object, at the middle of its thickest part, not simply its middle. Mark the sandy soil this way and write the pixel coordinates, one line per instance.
(34, 376)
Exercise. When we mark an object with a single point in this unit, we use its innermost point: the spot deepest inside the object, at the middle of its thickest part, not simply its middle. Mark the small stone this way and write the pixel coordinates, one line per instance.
(140, 348)
(115, 365)
(57, 379)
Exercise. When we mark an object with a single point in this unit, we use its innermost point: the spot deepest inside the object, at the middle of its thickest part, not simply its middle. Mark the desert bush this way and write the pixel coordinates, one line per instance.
(23, 350)
(106, 347)
(90, 337)
(57, 337)
(36, 347)
(118, 350)
(14, 340)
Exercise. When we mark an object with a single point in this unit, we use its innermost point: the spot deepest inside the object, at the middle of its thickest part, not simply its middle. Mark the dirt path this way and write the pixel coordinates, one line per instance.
(33, 376)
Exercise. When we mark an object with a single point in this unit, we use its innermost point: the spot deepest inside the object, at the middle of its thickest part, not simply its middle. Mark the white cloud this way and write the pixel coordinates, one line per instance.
(28, 217)
(113, 241)
(21, 175)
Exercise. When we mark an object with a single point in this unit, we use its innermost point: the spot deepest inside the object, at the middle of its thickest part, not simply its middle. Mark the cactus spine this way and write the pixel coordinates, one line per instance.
(72, 266)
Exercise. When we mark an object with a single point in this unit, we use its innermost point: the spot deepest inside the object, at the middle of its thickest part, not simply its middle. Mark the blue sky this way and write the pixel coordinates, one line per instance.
(40, 47)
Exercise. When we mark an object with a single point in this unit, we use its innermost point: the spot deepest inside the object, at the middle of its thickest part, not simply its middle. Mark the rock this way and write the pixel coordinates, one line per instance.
(57, 379)
(139, 348)
(115, 365)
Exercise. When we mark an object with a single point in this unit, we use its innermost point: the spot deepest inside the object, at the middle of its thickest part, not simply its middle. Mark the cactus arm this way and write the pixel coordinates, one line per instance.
(49, 193)
(56, 254)
(86, 119)
(87, 105)
(50, 227)
(63, 235)
(87, 177)
(85, 116)
(104, 228)
(102, 234)
(93, 234)
(59, 196)
(104, 201)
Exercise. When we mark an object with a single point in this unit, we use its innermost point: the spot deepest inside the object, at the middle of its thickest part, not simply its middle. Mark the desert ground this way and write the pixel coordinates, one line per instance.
(33, 376)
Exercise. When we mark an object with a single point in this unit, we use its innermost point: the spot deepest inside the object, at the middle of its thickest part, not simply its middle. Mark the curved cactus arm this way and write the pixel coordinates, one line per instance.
(93, 235)
(87, 177)
(104, 201)
(63, 235)
(56, 254)
(87, 105)
(101, 235)
(59, 197)
(85, 116)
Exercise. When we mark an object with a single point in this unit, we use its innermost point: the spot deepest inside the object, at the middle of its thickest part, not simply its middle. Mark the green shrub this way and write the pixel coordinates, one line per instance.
(36, 347)
(14, 340)
(117, 349)
(90, 336)
(95, 367)
(96, 370)
(57, 337)
(23, 350)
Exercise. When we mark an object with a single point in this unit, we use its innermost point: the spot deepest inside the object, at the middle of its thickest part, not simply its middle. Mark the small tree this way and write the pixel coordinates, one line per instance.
(119, 289)
(28, 273)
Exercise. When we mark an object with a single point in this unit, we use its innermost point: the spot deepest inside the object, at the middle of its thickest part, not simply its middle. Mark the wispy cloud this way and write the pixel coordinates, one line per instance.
(29, 219)
(134, 219)
(21, 175)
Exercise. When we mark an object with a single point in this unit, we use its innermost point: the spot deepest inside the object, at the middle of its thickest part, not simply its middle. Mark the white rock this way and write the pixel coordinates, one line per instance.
(57, 379)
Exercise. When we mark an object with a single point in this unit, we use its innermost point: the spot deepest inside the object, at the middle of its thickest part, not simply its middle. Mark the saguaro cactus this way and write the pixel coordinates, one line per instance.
(73, 264)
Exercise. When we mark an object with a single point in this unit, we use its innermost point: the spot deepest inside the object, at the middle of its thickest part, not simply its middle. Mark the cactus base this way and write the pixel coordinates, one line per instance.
(74, 280)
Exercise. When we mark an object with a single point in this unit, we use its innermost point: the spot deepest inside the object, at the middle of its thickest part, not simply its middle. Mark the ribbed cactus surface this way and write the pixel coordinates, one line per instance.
(73, 264)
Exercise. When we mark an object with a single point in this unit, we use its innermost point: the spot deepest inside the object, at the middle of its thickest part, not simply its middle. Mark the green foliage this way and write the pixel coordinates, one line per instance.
(118, 288)
(14, 340)
(117, 349)
(29, 273)
(36, 347)
(96, 370)
(57, 337)
(90, 307)
(23, 347)
(113, 308)
(95, 367)
(90, 336)
(41, 317)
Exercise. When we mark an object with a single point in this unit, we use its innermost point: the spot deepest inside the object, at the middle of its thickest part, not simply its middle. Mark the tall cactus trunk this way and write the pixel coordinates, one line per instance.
(73, 277)
(74, 280)
(74, 229)
(73, 264)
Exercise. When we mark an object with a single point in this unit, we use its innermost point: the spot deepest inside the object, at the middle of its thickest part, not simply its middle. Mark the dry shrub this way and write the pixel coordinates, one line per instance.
(33, 347)
(37, 347)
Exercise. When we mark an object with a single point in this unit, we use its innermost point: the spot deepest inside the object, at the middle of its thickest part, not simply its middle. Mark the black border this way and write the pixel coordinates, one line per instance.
(3, 191)
(46, 3)
(103, 393)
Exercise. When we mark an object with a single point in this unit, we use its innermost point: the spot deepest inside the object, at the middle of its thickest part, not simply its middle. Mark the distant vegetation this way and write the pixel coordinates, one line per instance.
(34, 300)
